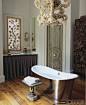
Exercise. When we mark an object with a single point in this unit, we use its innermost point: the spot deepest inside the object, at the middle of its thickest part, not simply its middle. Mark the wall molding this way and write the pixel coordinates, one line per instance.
(34, 16)
(2, 77)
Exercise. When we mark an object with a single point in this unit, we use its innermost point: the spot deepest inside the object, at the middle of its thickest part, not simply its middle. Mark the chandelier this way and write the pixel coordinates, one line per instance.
(52, 12)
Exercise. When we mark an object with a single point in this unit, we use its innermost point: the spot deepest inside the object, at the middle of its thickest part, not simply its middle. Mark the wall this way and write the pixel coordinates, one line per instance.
(74, 15)
(42, 37)
(82, 7)
(2, 78)
(67, 39)
(33, 31)
(76, 9)
(19, 8)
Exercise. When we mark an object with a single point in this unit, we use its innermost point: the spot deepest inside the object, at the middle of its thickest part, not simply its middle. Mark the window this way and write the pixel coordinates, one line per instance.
(13, 34)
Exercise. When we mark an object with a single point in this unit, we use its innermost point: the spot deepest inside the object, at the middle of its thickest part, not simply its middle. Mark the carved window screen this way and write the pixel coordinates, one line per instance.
(13, 34)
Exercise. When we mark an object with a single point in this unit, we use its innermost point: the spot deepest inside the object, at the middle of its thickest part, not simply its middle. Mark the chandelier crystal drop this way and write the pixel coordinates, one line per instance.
(52, 18)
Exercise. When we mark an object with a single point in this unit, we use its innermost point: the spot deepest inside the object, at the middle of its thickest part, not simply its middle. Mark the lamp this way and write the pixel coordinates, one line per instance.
(26, 36)
(52, 18)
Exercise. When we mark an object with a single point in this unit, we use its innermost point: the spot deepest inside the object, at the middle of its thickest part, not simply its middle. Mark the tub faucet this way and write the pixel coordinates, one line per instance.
(58, 73)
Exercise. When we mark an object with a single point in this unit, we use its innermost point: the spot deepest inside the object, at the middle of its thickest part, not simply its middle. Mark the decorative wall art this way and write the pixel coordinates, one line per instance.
(79, 46)
(13, 34)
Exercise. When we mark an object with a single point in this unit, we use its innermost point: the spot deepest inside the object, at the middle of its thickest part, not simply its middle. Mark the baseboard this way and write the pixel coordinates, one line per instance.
(2, 78)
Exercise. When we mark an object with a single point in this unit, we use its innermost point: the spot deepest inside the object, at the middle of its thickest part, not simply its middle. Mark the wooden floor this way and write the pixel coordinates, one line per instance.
(14, 92)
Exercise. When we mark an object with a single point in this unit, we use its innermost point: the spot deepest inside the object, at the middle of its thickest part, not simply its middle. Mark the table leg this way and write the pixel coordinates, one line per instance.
(31, 96)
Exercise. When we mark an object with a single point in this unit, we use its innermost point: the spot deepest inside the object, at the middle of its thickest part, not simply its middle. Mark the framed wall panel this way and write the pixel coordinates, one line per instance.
(13, 34)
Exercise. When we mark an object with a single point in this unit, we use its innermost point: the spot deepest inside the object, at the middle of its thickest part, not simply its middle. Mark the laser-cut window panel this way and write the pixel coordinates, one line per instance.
(13, 34)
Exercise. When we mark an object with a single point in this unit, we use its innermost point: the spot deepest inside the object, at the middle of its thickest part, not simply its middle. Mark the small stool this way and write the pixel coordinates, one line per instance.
(31, 96)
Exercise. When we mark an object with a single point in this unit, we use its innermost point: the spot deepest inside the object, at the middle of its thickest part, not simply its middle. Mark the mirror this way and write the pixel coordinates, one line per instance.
(33, 34)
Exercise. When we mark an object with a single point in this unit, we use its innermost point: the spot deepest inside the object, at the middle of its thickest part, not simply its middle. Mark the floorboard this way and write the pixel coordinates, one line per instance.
(14, 92)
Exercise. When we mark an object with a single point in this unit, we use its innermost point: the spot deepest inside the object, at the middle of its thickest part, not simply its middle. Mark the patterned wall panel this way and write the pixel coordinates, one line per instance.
(80, 46)
(13, 34)
(54, 47)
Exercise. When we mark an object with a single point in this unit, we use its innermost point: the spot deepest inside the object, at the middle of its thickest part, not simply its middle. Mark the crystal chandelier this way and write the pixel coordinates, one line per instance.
(52, 18)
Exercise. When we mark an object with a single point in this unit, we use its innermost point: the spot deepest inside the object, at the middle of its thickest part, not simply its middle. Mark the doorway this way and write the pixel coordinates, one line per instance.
(54, 47)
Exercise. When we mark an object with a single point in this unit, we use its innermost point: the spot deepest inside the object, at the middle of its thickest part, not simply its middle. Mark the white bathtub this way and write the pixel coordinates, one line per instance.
(57, 86)
(50, 73)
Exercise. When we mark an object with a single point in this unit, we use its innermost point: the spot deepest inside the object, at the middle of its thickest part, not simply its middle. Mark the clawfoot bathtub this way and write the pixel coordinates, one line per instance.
(57, 86)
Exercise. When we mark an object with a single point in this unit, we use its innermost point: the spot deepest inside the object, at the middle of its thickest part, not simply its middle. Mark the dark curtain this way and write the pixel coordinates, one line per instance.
(18, 65)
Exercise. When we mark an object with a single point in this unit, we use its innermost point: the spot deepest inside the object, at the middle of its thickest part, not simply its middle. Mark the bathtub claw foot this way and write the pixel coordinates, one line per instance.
(50, 87)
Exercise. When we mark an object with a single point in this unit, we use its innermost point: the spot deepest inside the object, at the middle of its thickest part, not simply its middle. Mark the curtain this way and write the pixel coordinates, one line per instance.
(18, 65)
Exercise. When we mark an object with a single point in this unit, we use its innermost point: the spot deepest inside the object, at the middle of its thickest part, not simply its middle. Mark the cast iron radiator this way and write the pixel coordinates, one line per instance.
(18, 65)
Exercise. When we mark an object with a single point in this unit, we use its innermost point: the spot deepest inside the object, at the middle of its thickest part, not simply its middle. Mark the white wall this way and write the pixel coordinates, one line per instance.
(2, 79)
(68, 39)
(74, 15)
(19, 8)
(40, 36)
(82, 7)
(33, 10)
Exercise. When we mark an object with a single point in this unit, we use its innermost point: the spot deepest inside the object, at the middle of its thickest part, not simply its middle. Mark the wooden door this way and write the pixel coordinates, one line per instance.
(54, 47)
